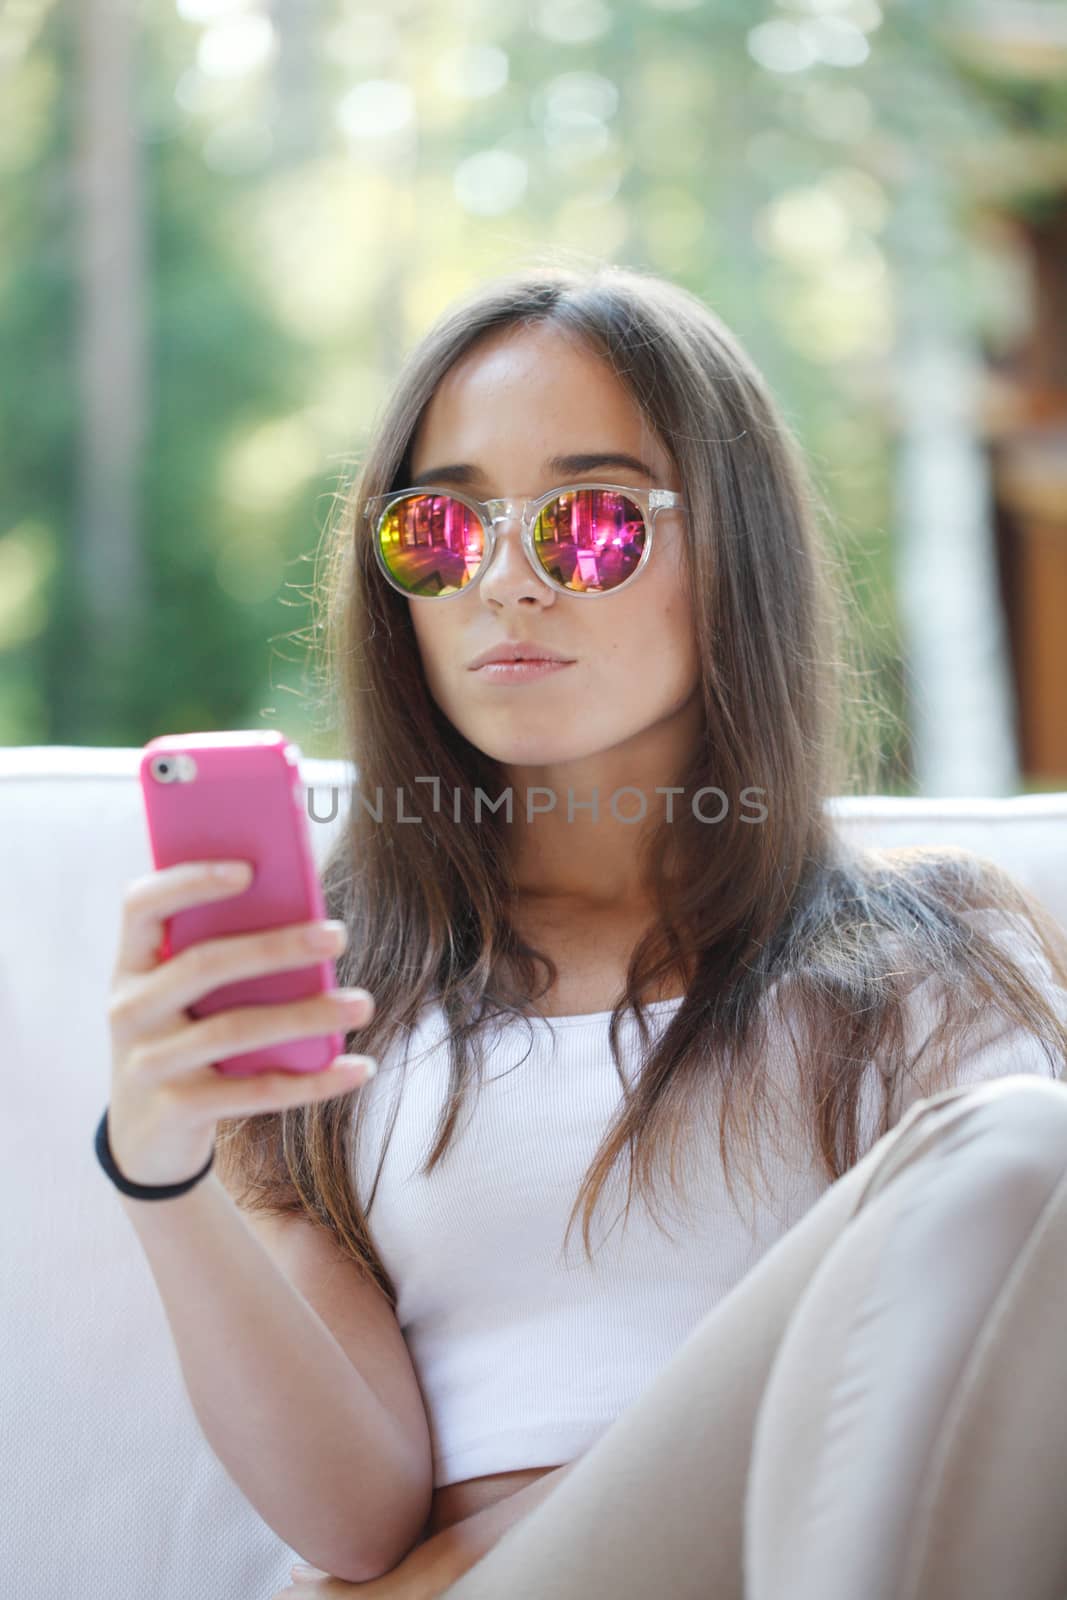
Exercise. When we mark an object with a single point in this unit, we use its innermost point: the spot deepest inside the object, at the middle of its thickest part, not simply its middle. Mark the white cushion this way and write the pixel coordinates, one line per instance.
(110, 1488)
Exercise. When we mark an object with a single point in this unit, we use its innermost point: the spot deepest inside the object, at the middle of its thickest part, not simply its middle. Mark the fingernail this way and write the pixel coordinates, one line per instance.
(231, 871)
(358, 1066)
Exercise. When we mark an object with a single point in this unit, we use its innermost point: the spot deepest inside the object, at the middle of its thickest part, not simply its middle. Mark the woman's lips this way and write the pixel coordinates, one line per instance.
(518, 671)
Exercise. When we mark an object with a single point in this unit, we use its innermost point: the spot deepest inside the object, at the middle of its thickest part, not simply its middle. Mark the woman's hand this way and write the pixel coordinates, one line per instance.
(166, 1094)
(425, 1572)
(311, 1583)
(432, 1567)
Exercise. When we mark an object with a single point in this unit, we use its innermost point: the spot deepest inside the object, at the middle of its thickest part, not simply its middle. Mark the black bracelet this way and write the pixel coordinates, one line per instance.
(141, 1191)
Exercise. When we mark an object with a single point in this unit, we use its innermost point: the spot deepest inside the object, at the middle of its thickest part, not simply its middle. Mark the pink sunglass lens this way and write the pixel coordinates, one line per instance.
(432, 544)
(590, 539)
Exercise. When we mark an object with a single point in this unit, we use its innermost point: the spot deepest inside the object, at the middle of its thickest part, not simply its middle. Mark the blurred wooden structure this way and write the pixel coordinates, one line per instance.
(1022, 184)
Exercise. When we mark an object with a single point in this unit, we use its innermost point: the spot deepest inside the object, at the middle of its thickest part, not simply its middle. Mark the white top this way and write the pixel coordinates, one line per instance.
(524, 1356)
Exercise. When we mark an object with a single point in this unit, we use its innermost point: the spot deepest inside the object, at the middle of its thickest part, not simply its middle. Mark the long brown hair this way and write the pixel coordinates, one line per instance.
(750, 913)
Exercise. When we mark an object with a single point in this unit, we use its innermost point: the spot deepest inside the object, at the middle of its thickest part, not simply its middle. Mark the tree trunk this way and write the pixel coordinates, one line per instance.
(111, 356)
(959, 680)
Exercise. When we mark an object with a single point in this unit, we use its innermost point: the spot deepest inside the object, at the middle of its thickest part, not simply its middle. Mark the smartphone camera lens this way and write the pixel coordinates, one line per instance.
(173, 769)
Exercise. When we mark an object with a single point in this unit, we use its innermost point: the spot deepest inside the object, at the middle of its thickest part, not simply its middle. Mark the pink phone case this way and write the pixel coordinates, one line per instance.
(239, 797)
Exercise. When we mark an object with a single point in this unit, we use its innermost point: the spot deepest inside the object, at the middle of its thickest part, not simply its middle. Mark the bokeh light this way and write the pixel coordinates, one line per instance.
(491, 182)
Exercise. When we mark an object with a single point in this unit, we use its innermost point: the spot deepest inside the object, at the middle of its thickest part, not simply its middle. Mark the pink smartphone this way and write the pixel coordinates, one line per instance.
(240, 797)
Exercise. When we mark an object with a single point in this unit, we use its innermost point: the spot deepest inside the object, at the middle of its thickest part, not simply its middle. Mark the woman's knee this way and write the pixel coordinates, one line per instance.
(1014, 1127)
(1027, 1120)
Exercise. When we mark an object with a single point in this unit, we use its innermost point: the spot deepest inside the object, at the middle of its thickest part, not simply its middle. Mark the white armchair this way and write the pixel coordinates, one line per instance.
(111, 1491)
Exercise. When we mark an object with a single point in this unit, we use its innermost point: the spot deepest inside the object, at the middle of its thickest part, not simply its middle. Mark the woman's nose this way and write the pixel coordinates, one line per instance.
(509, 574)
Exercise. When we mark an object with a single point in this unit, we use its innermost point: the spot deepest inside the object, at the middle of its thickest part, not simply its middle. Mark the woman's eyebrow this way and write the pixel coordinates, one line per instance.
(593, 460)
(462, 473)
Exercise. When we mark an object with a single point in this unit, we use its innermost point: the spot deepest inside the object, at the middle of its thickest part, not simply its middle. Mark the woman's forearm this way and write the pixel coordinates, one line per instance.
(297, 1427)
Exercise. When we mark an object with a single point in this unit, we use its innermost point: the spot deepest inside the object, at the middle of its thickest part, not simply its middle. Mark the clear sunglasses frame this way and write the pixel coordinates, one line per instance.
(650, 502)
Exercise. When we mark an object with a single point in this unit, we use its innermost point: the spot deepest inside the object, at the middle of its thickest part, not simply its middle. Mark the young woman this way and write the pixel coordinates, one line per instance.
(610, 889)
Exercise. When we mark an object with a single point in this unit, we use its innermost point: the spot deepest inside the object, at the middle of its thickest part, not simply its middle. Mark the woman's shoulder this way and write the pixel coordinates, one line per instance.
(948, 1032)
(957, 1034)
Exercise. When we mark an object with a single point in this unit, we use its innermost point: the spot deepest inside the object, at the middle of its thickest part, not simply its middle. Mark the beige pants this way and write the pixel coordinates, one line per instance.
(877, 1411)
